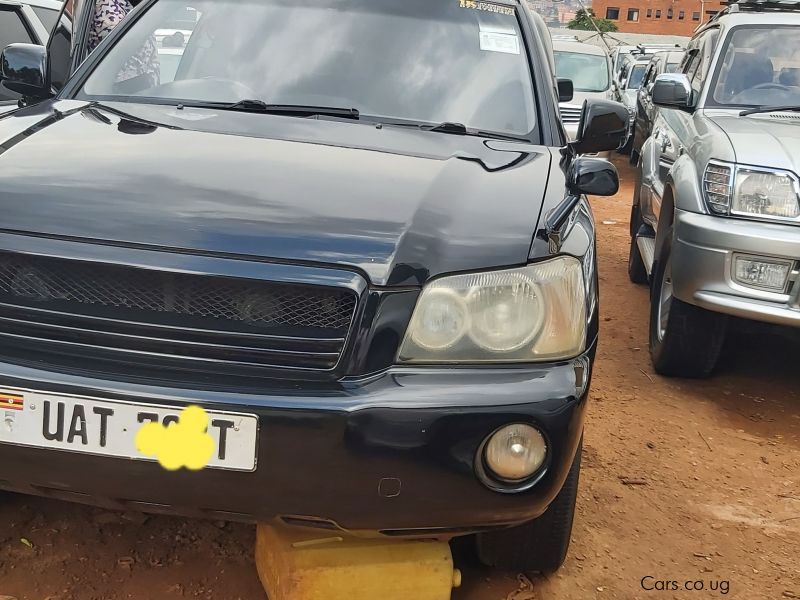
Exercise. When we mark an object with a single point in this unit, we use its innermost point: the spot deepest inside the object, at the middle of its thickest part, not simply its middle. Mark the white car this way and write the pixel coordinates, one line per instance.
(589, 69)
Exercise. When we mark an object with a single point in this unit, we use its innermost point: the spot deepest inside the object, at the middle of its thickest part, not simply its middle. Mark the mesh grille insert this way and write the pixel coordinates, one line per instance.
(91, 312)
(40, 281)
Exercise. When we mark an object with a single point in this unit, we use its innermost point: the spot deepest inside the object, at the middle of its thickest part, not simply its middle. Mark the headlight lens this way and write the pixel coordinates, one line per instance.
(534, 313)
(765, 194)
(750, 192)
(443, 320)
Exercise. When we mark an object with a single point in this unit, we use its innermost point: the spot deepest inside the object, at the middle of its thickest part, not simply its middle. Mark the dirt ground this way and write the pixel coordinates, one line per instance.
(683, 481)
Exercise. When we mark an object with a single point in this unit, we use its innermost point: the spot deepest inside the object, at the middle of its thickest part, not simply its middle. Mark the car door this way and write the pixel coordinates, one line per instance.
(648, 108)
(14, 29)
(643, 103)
(674, 130)
(67, 46)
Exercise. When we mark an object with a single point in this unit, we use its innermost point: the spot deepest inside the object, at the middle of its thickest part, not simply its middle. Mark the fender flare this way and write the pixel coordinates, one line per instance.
(684, 180)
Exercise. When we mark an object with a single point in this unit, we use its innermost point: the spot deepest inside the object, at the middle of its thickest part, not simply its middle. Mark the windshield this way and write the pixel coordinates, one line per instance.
(588, 72)
(636, 76)
(416, 60)
(760, 67)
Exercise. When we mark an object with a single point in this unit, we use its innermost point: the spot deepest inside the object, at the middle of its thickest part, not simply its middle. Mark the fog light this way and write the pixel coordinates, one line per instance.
(767, 274)
(515, 452)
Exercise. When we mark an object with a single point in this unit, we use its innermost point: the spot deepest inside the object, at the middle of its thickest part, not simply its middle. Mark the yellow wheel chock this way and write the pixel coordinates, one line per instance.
(300, 564)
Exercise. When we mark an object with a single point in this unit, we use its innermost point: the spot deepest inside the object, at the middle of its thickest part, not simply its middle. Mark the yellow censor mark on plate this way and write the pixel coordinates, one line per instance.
(182, 444)
(486, 6)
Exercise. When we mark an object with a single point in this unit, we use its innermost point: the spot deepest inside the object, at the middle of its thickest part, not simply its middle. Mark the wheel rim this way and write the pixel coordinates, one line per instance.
(665, 300)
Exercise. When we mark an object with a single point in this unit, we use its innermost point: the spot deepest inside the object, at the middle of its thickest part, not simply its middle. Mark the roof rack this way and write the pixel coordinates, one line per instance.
(761, 5)
(737, 6)
(653, 48)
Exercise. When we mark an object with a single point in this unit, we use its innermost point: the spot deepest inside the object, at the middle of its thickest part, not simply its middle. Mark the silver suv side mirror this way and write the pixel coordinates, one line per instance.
(673, 90)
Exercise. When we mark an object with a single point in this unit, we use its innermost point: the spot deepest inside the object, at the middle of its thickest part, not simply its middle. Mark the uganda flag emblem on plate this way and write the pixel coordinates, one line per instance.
(11, 401)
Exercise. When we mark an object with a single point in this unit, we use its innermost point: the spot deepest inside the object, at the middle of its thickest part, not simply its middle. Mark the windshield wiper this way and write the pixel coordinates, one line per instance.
(768, 109)
(447, 127)
(296, 110)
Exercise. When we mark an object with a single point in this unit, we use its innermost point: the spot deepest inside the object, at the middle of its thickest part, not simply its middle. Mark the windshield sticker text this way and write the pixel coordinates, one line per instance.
(499, 41)
(486, 6)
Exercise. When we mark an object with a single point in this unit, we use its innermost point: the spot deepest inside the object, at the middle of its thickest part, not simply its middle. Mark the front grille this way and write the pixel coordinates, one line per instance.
(188, 321)
(571, 113)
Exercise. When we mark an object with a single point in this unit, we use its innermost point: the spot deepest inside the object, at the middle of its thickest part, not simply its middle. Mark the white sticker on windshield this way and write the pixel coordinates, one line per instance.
(499, 41)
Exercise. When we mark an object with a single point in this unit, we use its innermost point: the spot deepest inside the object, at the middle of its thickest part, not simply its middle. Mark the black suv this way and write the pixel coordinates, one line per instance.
(352, 231)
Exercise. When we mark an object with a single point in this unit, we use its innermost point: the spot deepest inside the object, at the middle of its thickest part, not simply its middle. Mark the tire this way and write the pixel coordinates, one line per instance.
(539, 546)
(685, 340)
(637, 272)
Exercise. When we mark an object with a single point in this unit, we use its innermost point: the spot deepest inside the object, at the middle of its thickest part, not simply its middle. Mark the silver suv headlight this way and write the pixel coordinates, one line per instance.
(530, 314)
(746, 191)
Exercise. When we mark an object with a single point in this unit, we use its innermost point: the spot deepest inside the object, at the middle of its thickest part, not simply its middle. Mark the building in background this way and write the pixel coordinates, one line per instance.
(555, 14)
(657, 17)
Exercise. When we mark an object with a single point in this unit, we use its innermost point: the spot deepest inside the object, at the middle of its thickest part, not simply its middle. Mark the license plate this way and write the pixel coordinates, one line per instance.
(109, 428)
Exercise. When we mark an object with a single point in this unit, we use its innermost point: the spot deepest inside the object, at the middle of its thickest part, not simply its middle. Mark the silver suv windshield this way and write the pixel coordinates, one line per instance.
(415, 60)
(760, 67)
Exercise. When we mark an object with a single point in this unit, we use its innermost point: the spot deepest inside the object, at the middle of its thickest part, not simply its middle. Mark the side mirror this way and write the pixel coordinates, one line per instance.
(673, 90)
(592, 176)
(23, 70)
(603, 127)
(566, 90)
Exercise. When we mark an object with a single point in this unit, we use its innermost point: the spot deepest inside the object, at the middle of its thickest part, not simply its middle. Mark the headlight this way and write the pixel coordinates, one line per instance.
(765, 194)
(751, 192)
(530, 314)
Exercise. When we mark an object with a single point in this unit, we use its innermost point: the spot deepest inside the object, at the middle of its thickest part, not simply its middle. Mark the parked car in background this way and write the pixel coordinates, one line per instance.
(25, 21)
(715, 223)
(632, 73)
(620, 53)
(380, 285)
(626, 90)
(644, 109)
(589, 69)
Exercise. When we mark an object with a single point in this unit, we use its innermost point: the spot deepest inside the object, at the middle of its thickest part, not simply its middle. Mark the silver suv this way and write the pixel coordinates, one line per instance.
(715, 224)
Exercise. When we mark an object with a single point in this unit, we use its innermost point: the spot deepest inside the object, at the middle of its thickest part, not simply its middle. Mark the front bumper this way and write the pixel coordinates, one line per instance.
(392, 454)
(703, 263)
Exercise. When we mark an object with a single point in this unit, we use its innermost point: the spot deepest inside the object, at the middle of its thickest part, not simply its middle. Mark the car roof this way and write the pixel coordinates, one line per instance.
(51, 4)
(638, 58)
(754, 17)
(671, 56)
(578, 48)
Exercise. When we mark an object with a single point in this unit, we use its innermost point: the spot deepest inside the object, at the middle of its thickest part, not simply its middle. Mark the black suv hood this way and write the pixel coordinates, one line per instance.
(398, 204)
